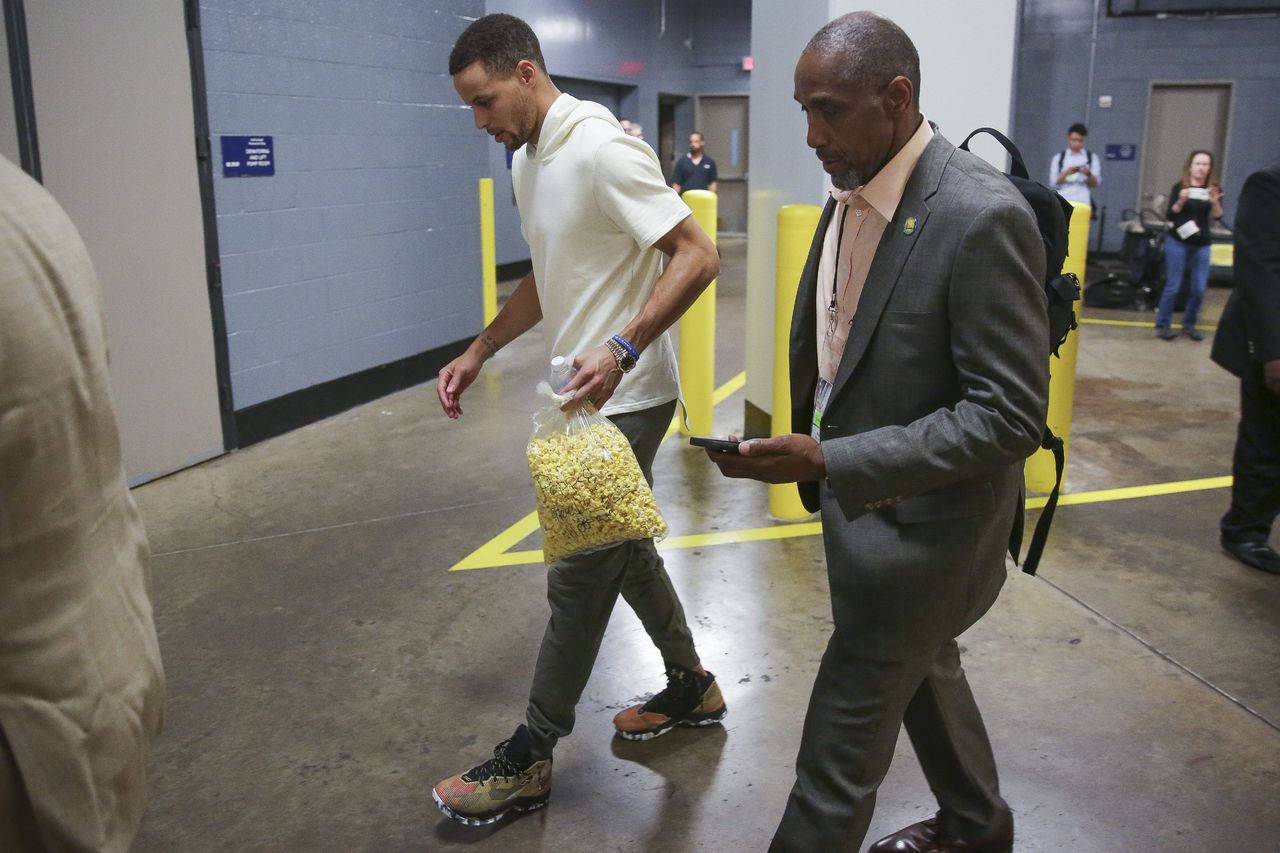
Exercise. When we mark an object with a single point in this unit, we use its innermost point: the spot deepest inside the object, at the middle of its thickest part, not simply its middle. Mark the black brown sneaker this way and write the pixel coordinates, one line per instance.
(510, 781)
(691, 699)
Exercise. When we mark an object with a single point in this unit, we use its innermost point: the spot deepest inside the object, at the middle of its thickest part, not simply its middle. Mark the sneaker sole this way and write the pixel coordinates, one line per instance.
(487, 818)
(692, 722)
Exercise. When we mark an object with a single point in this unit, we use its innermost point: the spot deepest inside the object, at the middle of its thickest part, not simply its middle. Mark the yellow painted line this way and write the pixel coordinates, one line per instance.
(495, 552)
(721, 394)
(1135, 324)
(493, 559)
(733, 537)
(729, 388)
(1131, 492)
(491, 553)
(814, 528)
(671, 543)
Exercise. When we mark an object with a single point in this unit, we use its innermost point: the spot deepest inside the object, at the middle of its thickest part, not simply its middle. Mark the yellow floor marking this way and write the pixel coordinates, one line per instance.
(1131, 492)
(728, 389)
(814, 528)
(495, 552)
(1137, 324)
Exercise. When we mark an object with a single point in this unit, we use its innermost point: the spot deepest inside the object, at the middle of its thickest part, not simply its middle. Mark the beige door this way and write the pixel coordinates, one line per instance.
(722, 119)
(112, 90)
(1182, 117)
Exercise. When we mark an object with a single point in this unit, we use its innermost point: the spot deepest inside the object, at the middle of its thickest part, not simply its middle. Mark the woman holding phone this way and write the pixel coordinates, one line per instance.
(1194, 202)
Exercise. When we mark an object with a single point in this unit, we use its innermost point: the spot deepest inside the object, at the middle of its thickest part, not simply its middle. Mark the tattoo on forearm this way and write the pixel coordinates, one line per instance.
(493, 346)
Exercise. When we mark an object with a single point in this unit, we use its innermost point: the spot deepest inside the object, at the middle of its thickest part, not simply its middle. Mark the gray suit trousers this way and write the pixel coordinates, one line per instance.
(582, 591)
(857, 708)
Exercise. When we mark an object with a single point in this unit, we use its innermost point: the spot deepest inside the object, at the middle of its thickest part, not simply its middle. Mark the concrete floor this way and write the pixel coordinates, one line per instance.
(325, 667)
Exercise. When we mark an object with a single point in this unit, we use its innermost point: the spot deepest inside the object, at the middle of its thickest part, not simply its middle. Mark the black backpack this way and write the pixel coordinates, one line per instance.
(1053, 215)
(1115, 292)
(1062, 157)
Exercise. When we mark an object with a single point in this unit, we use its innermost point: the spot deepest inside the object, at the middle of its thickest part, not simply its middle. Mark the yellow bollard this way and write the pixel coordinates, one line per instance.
(488, 252)
(796, 225)
(698, 334)
(1041, 473)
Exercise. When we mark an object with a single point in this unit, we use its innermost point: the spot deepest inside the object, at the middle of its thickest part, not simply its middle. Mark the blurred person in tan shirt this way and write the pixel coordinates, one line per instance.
(81, 684)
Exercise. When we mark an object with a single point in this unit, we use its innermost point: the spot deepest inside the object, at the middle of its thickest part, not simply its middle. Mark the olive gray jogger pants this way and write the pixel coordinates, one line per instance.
(582, 590)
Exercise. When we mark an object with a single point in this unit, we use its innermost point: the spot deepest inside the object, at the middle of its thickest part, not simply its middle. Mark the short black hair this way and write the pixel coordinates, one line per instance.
(1078, 128)
(499, 42)
(871, 51)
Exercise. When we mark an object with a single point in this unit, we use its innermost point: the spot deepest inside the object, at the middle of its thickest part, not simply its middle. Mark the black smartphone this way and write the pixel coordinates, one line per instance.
(723, 445)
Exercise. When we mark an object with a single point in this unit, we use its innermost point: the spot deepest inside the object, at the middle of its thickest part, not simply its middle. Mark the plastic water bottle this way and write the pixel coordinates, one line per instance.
(562, 370)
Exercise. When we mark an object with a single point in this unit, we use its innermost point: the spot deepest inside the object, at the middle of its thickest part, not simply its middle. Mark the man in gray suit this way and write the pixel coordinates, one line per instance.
(919, 379)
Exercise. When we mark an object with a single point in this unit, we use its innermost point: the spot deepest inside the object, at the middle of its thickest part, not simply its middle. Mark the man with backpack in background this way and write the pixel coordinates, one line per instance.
(1075, 171)
(920, 381)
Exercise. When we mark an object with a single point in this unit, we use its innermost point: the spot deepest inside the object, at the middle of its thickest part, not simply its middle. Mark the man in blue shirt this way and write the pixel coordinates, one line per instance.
(695, 170)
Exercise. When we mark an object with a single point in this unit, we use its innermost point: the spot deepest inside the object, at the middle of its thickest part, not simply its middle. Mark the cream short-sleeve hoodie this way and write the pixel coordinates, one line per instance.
(592, 203)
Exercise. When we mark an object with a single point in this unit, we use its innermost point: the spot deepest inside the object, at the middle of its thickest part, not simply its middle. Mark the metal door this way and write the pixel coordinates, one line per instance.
(112, 90)
(1182, 117)
(722, 120)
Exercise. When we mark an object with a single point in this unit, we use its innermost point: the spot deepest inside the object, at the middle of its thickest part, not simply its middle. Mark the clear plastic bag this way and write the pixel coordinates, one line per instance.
(590, 489)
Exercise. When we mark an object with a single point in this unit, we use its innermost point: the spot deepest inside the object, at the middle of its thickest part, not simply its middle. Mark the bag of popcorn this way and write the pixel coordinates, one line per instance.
(590, 489)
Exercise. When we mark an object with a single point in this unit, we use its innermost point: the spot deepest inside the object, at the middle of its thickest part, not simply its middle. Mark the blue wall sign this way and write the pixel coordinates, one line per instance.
(252, 156)
(1121, 152)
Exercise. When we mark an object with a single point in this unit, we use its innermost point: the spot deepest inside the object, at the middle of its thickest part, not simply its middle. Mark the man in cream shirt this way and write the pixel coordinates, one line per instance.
(599, 220)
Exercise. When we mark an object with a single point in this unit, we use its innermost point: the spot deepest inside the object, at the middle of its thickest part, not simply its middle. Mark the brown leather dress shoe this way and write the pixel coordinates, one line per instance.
(923, 837)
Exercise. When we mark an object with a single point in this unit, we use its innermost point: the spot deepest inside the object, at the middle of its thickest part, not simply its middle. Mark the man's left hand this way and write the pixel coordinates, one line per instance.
(790, 458)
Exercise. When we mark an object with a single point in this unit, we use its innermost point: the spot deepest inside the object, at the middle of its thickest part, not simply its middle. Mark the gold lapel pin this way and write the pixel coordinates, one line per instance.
(909, 226)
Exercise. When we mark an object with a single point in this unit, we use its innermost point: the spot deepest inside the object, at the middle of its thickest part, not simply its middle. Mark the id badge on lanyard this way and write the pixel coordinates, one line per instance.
(821, 397)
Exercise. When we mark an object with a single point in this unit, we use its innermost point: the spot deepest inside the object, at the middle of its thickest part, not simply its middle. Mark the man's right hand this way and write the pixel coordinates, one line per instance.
(454, 379)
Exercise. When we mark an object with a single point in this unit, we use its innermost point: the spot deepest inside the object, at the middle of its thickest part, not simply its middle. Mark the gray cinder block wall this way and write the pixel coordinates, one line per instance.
(644, 48)
(363, 248)
(1052, 85)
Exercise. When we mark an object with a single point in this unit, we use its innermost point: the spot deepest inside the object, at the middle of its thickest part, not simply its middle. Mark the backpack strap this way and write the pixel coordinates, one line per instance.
(1050, 442)
(1019, 165)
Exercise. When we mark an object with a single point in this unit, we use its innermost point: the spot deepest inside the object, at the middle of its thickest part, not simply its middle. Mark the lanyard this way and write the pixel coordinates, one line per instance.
(835, 275)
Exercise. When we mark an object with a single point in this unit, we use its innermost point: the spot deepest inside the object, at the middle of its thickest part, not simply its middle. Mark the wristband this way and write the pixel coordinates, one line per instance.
(628, 346)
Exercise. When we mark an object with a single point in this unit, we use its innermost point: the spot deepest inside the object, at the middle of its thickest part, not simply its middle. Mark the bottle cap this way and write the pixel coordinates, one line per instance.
(558, 361)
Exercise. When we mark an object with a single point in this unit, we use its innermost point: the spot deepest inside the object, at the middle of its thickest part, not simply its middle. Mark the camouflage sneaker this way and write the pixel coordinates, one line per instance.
(509, 781)
(691, 699)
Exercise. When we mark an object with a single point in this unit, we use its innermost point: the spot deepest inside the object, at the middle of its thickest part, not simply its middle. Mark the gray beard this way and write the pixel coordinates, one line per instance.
(850, 180)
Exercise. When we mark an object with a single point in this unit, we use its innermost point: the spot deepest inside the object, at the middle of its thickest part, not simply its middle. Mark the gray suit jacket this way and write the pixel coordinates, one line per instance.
(940, 396)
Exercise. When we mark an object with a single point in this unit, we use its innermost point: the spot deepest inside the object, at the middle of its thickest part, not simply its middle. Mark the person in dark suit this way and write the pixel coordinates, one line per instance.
(1248, 344)
(919, 379)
